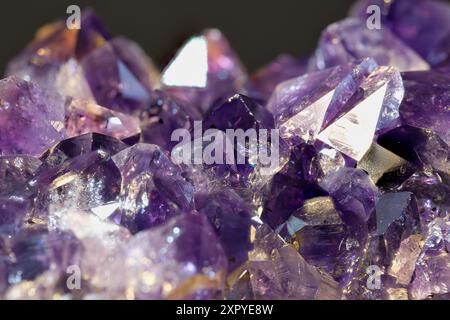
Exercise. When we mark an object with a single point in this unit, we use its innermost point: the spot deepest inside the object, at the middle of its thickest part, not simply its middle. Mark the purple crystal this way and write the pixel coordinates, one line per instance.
(324, 104)
(113, 84)
(397, 218)
(183, 258)
(31, 119)
(231, 217)
(164, 115)
(350, 39)
(283, 68)
(420, 146)
(70, 180)
(421, 24)
(153, 189)
(432, 194)
(432, 274)
(205, 70)
(54, 45)
(36, 250)
(85, 117)
(279, 272)
(295, 183)
(15, 193)
(353, 193)
(137, 61)
(427, 97)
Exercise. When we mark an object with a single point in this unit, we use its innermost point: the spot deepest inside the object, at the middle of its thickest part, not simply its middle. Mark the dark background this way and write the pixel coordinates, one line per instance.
(258, 30)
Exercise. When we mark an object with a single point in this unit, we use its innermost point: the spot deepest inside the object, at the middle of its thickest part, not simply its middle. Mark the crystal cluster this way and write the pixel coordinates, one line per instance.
(93, 204)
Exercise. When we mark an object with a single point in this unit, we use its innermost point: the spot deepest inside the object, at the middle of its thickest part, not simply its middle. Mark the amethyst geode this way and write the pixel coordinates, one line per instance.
(357, 205)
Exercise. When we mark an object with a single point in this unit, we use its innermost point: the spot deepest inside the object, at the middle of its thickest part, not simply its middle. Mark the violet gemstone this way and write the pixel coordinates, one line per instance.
(295, 183)
(397, 218)
(426, 102)
(54, 45)
(153, 188)
(282, 68)
(298, 280)
(432, 192)
(183, 257)
(112, 83)
(422, 25)
(85, 182)
(36, 250)
(420, 146)
(350, 39)
(353, 192)
(231, 217)
(16, 194)
(85, 117)
(238, 112)
(31, 119)
(81, 145)
(431, 274)
(323, 105)
(163, 116)
(205, 70)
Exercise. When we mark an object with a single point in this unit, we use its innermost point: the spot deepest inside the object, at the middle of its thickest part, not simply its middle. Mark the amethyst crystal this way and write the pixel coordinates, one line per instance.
(353, 192)
(421, 24)
(324, 105)
(277, 271)
(16, 194)
(163, 116)
(319, 179)
(432, 193)
(204, 70)
(426, 102)
(153, 188)
(31, 119)
(181, 259)
(350, 39)
(283, 68)
(231, 217)
(84, 117)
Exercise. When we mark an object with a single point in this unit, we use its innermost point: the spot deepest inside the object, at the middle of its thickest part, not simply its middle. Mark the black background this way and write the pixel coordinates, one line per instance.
(258, 30)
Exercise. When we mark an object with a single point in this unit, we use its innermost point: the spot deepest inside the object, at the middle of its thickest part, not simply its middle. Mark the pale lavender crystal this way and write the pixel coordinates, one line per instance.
(75, 177)
(85, 117)
(282, 68)
(426, 102)
(279, 272)
(324, 105)
(181, 259)
(421, 24)
(350, 39)
(153, 188)
(432, 274)
(205, 70)
(31, 119)
(15, 193)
